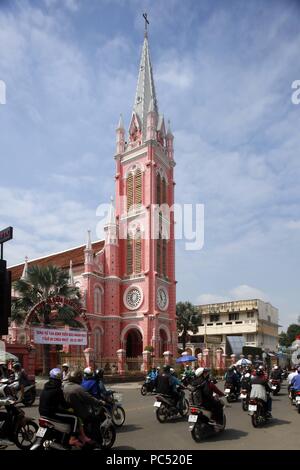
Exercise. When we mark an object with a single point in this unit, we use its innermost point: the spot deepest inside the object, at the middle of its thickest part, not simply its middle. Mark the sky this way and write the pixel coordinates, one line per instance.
(223, 73)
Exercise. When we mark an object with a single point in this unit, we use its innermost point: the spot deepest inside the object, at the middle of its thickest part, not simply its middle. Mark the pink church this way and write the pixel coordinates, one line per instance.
(128, 280)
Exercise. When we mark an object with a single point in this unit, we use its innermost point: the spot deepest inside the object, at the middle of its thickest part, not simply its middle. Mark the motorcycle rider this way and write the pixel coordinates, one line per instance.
(20, 381)
(246, 378)
(295, 383)
(90, 382)
(177, 391)
(54, 406)
(104, 394)
(80, 400)
(260, 389)
(276, 373)
(232, 377)
(291, 375)
(65, 371)
(164, 382)
(202, 390)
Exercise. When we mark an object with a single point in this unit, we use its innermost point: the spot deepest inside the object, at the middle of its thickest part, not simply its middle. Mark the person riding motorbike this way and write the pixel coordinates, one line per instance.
(164, 382)
(291, 375)
(202, 390)
(65, 371)
(90, 382)
(103, 392)
(80, 400)
(246, 378)
(295, 383)
(275, 373)
(232, 377)
(54, 406)
(177, 392)
(19, 381)
(260, 389)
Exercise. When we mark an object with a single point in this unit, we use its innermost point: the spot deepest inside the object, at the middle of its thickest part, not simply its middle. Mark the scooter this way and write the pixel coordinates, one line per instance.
(29, 391)
(275, 386)
(113, 404)
(166, 408)
(230, 392)
(258, 413)
(201, 424)
(53, 434)
(15, 426)
(148, 386)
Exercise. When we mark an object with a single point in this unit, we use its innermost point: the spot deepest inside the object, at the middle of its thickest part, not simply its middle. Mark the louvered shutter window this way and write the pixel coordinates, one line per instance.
(158, 189)
(138, 187)
(138, 253)
(129, 190)
(129, 261)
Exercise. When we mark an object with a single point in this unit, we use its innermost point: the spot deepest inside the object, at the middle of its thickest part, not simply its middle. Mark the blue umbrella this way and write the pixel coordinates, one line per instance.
(186, 359)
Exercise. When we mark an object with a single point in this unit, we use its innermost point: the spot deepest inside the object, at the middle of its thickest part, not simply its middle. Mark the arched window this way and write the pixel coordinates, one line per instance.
(129, 190)
(138, 187)
(97, 300)
(97, 342)
(129, 258)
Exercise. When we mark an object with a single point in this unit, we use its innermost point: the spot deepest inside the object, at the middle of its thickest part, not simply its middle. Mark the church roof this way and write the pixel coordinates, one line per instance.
(145, 91)
(61, 259)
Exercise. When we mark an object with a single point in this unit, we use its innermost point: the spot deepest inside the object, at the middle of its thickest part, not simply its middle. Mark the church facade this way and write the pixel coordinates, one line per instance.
(128, 280)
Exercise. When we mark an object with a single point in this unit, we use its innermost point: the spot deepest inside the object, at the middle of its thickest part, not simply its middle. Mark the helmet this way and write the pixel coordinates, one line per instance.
(76, 376)
(157, 368)
(275, 367)
(99, 374)
(199, 371)
(261, 368)
(259, 371)
(16, 366)
(88, 371)
(55, 374)
(172, 370)
(66, 365)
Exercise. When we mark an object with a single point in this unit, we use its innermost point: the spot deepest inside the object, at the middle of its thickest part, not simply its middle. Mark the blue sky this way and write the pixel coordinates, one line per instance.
(223, 73)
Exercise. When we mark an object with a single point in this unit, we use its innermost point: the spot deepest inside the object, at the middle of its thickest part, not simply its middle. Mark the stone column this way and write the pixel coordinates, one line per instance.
(89, 357)
(206, 362)
(168, 358)
(233, 358)
(224, 360)
(219, 361)
(121, 355)
(146, 361)
(200, 359)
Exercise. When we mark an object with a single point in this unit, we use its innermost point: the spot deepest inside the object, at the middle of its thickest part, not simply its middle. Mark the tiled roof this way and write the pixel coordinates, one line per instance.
(61, 259)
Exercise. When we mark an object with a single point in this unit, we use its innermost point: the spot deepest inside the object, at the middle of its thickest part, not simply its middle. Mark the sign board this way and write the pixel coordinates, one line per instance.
(6, 234)
(60, 336)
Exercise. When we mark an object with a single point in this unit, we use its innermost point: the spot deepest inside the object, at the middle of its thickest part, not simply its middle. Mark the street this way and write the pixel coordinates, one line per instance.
(142, 430)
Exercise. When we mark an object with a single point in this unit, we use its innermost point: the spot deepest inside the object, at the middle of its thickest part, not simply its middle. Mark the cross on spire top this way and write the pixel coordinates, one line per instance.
(146, 22)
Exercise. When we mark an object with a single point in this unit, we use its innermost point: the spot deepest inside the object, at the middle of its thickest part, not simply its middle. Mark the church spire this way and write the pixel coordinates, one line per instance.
(145, 91)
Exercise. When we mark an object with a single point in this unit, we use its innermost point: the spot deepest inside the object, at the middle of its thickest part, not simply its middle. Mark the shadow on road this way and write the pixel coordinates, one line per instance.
(228, 435)
(276, 421)
(129, 428)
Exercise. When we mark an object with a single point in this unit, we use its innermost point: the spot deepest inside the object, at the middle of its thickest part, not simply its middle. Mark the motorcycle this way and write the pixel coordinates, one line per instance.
(29, 391)
(244, 396)
(53, 434)
(186, 380)
(275, 386)
(230, 392)
(258, 413)
(148, 386)
(296, 399)
(166, 408)
(201, 425)
(15, 426)
(113, 404)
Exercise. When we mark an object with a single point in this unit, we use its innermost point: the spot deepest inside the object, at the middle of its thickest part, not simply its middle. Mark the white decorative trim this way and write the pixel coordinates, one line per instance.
(134, 279)
(129, 288)
(133, 168)
(133, 317)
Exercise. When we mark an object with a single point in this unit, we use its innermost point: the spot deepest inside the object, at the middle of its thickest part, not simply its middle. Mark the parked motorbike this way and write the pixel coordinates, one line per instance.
(113, 404)
(258, 413)
(230, 392)
(275, 386)
(166, 408)
(53, 434)
(15, 426)
(201, 425)
(29, 391)
(148, 386)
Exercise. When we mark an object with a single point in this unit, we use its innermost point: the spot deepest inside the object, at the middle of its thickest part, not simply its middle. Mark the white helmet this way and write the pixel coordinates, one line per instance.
(199, 371)
(88, 371)
(66, 365)
(275, 367)
(172, 370)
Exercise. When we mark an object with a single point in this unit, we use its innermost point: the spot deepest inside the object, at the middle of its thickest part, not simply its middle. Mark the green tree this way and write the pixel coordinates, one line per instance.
(42, 283)
(286, 339)
(188, 319)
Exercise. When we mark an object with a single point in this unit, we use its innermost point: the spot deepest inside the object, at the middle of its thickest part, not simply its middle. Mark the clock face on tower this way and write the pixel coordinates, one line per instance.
(162, 298)
(133, 297)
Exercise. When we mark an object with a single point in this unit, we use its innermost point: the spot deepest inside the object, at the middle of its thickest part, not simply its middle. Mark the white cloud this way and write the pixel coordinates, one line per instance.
(242, 292)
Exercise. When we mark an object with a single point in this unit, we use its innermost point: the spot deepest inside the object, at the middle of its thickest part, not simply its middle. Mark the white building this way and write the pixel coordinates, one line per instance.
(237, 324)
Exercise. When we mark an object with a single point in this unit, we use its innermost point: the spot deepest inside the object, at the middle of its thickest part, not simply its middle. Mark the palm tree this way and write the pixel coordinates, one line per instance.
(188, 319)
(40, 285)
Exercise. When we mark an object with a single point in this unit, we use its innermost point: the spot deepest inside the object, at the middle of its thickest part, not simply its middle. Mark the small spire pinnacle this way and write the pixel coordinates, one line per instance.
(88, 243)
(169, 132)
(111, 220)
(121, 124)
(25, 270)
(71, 276)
